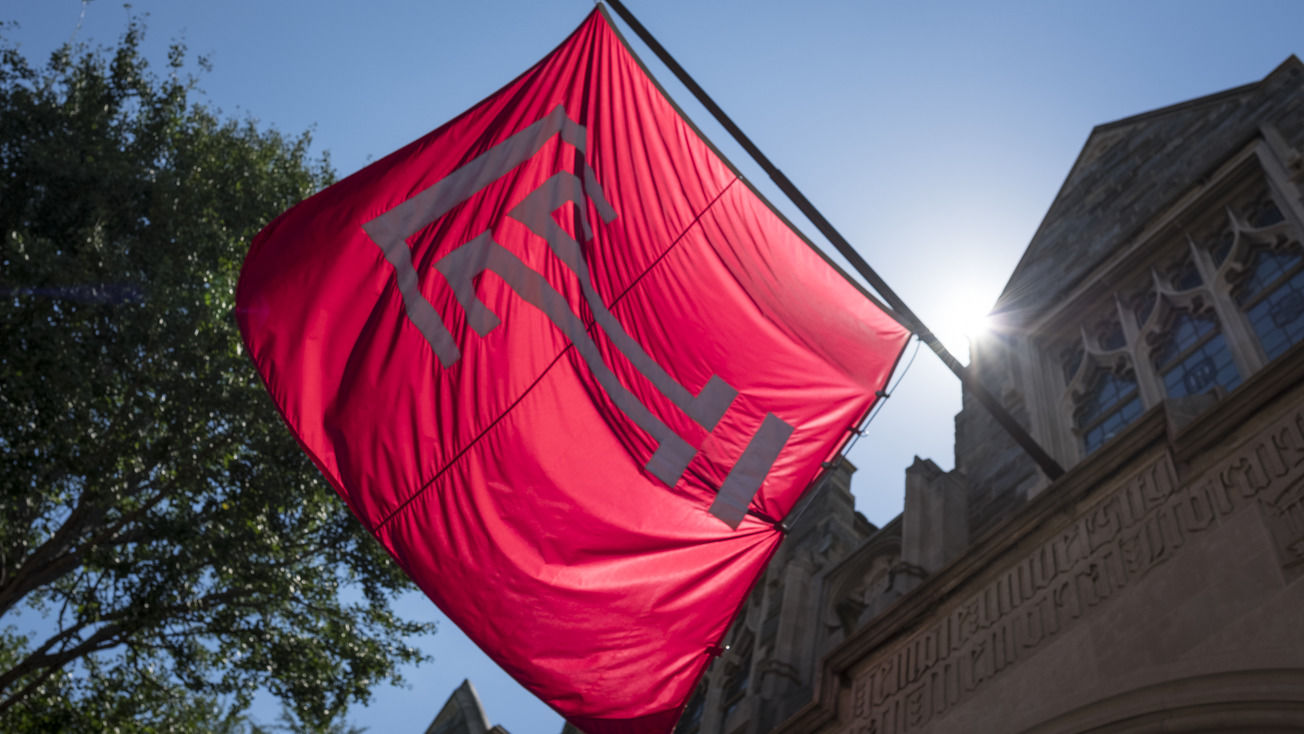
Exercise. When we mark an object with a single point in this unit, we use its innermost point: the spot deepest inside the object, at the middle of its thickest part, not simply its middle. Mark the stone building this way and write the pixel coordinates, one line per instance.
(1151, 339)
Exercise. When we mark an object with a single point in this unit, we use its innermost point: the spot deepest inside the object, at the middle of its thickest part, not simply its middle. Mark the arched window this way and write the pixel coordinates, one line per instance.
(1272, 296)
(1109, 403)
(1205, 300)
(1192, 356)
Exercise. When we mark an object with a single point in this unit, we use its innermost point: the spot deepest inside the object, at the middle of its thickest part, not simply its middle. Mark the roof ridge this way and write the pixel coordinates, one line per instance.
(1290, 62)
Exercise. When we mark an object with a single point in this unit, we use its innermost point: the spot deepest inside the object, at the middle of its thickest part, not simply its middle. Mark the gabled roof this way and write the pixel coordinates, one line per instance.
(462, 713)
(1132, 168)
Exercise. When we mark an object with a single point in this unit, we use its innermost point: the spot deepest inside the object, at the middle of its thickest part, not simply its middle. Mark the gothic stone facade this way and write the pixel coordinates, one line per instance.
(1152, 338)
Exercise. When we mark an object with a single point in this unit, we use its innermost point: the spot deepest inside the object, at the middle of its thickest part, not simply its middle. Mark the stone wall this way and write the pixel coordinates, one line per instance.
(998, 473)
(1179, 564)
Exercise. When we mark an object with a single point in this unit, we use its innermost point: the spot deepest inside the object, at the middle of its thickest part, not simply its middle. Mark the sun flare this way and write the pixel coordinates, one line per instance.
(962, 320)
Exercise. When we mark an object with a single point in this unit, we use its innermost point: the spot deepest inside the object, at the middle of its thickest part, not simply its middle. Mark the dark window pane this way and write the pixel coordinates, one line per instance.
(1202, 369)
(1266, 267)
(1278, 317)
(1194, 357)
(1184, 332)
(1105, 394)
(1112, 424)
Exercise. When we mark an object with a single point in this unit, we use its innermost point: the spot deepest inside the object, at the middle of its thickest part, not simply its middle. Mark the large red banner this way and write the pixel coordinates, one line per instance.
(571, 371)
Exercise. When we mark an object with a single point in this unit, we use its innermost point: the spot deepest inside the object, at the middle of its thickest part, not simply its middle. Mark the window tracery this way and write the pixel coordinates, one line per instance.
(1071, 359)
(1222, 294)
(1183, 275)
(1109, 334)
(1142, 304)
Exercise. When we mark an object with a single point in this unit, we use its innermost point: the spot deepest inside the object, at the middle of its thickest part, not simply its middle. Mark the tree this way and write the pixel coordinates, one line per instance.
(152, 504)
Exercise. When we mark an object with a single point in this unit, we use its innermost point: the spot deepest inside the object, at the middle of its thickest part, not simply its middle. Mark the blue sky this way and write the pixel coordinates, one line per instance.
(933, 134)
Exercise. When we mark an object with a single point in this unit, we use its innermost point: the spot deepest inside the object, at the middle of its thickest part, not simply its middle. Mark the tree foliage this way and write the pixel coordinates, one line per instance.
(153, 507)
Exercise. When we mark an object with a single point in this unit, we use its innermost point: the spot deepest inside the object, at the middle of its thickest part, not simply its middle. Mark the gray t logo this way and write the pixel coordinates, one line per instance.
(461, 266)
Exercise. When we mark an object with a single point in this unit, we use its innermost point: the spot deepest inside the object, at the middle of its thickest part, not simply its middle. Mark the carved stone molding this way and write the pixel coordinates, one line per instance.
(1284, 516)
(1136, 527)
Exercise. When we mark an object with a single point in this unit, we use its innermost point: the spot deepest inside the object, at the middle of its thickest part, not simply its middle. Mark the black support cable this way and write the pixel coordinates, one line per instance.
(906, 317)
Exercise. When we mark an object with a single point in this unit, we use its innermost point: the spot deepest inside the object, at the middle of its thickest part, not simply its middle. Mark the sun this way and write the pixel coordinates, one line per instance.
(962, 319)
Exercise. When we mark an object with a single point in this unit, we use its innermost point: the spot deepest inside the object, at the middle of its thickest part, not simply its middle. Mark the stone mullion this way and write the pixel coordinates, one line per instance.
(1235, 326)
(1147, 380)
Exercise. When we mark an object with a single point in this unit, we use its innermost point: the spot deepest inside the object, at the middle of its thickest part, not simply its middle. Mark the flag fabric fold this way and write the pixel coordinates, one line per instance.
(571, 371)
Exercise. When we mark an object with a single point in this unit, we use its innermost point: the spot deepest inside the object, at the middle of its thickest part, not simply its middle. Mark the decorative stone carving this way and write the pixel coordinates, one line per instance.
(1284, 516)
(1136, 527)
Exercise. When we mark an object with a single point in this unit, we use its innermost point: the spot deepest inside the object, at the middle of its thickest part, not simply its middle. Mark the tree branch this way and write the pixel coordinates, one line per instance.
(48, 663)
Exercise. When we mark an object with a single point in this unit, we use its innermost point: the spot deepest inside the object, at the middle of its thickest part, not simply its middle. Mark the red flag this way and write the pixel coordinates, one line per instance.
(571, 371)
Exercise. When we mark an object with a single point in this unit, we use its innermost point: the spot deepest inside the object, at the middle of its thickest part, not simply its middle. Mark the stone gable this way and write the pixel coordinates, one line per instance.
(1131, 169)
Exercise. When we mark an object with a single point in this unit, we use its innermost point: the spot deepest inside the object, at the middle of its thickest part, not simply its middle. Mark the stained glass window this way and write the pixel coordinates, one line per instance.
(1193, 357)
(1234, 252)
(1108, 405)
(1273, 298)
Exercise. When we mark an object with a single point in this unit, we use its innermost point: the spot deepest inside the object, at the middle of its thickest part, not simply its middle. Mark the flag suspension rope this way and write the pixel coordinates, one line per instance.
(903, 314)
